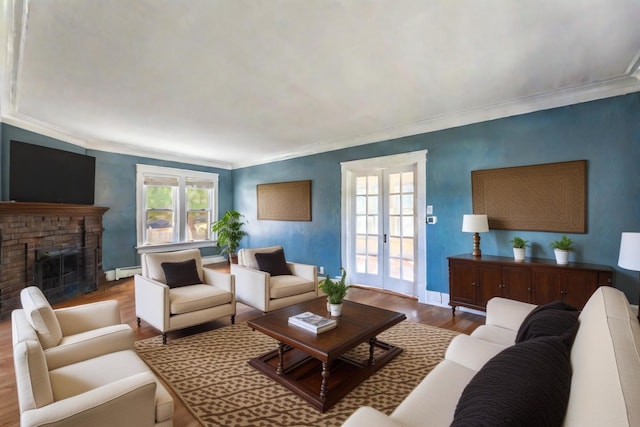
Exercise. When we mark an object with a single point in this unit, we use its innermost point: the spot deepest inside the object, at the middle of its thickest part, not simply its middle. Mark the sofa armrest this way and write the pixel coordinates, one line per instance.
(507, 313)
(129, 401)
(82, 318)
(222, 280)
(306, 271)
(252, 286)
(368, 416)
(152, 301)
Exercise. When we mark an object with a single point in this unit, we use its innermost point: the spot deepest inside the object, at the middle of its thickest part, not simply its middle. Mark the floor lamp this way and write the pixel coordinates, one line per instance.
(630, 255)
(475, 224)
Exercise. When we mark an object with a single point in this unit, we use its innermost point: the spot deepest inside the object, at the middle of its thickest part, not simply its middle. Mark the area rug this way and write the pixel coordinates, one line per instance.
(210, 373)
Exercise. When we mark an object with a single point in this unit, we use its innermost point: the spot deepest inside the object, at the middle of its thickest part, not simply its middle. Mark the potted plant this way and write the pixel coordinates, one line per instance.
(561, 248)
(230, 232)
(518, 248)
(335, 291)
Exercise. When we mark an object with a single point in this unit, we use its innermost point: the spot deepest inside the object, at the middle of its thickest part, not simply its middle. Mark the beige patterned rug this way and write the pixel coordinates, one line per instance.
(209, 371)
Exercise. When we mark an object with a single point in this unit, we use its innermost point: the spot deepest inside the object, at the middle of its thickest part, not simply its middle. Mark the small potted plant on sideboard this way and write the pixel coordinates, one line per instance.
(561, 249)
(519, 246)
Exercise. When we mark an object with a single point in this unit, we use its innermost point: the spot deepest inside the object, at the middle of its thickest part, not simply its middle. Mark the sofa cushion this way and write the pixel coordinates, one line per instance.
(527, 384)
(273, 263)
(186, 299)
(41, 316)
(181, 273)
(552, 319)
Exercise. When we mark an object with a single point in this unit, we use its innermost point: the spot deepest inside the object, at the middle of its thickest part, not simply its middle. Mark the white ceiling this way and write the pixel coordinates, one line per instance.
(232, 83)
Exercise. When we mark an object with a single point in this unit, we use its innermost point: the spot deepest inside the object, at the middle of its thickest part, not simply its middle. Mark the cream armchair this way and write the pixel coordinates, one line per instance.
(73, 334)
(77, 366)
(266, 291)
(181, 293)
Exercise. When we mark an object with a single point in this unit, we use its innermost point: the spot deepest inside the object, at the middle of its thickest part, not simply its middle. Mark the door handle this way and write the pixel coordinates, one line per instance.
(384, 238)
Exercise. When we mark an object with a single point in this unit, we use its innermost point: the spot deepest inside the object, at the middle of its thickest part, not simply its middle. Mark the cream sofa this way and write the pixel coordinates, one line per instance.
(604, 358)
(77, 366)
(268, 292)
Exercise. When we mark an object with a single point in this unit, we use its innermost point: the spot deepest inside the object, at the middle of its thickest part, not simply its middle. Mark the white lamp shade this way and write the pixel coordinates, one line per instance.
(475, 223)
(630, 251)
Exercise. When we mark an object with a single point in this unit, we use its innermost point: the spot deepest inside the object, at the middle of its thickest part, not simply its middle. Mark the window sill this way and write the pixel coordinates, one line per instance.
(175, 246)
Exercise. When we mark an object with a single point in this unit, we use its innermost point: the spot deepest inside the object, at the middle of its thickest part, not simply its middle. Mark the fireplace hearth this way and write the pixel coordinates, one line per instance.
(62, 273)
(57, 247)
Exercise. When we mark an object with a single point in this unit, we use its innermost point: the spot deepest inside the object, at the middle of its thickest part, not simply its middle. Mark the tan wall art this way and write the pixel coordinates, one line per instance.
(284, 201)
(547, 197)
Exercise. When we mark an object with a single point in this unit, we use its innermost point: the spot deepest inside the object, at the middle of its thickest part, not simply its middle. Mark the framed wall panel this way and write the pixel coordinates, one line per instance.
(284, 201)
(547, 197)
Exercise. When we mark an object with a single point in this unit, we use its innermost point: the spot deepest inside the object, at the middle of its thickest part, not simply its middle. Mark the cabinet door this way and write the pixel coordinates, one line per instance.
(544, 287)
(572, 286)
(462, 282)
(577, 287)
(489, 278)
(516, 283)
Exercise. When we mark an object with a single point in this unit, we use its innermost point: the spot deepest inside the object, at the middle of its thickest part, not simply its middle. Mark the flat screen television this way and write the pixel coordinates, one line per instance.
(42, 174)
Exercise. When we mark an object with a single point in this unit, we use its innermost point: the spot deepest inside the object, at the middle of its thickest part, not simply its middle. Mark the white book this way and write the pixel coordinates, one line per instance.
(313, 322)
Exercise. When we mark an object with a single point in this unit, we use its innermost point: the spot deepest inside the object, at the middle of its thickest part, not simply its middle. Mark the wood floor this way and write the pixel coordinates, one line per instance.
(122, 291)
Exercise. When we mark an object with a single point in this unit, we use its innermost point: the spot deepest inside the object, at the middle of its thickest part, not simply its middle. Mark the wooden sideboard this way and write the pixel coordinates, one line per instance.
(475, 280)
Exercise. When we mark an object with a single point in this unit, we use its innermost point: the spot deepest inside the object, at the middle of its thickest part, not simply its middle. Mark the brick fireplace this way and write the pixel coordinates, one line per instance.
(57, 247)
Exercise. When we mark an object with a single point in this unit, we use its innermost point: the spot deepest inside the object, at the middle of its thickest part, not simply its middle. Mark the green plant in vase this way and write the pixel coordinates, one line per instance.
(561, 249)
(335, 291)
(230, 232)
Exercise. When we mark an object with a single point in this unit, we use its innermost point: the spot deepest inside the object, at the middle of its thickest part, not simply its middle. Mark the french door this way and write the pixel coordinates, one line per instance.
(382, 219)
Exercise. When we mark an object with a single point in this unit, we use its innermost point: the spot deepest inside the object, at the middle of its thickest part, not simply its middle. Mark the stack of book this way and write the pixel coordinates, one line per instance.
(313, 322)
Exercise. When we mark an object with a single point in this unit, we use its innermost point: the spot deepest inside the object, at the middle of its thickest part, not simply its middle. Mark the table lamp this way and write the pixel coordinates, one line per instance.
(630, 253)
(475, 224)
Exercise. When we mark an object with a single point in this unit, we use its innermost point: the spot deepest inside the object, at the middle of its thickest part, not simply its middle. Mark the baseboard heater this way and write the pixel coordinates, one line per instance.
(124, 272)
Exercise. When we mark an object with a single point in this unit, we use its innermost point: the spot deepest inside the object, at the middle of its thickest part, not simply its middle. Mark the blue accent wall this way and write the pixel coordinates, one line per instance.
(606, 133)
(115, 189)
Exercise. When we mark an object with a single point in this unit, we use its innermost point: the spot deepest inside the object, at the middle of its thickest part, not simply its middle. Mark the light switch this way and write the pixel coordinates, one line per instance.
(429, 209)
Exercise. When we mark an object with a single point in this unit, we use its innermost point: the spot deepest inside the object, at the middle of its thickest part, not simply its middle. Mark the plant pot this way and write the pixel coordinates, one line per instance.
(562, 256)
(518, 254)
(233, 259)
(328, 306)
(336, 309)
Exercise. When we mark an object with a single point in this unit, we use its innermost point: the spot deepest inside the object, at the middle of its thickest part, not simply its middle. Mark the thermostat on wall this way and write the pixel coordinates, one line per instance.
(432, 219)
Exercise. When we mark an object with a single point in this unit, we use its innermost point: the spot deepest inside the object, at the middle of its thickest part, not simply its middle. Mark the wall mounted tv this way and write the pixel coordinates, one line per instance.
(42, 174)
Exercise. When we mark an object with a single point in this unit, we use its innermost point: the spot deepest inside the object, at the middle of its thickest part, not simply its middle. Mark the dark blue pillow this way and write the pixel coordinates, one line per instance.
(273, 263)
(527, 384)
(181, 273)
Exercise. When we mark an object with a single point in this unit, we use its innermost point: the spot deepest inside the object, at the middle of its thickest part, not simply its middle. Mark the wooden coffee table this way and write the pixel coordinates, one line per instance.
(316, 367)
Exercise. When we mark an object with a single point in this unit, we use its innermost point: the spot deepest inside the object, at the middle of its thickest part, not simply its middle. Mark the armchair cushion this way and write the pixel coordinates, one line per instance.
(286, 286)
(41, 316)
(273, 263)
(186, 299)
(181, 273)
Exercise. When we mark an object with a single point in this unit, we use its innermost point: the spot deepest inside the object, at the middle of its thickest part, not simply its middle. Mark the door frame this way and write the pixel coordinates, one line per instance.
(417, 159)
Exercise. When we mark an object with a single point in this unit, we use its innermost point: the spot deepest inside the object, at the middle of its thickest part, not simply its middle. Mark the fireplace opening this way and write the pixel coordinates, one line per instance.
(64, 272)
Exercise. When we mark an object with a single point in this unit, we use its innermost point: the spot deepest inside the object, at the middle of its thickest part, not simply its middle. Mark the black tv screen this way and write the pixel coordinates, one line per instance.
(42, 174)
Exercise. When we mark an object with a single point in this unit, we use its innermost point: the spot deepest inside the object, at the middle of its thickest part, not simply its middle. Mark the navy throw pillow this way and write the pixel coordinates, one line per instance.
(527, 384)
(273, 263)
(181, 273)
(552, 319)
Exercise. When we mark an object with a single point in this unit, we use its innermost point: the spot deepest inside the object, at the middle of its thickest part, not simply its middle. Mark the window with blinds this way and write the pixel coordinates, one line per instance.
(175, 206)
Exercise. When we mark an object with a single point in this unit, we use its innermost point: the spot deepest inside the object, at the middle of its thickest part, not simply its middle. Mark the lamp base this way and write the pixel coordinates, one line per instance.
(476, 245)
